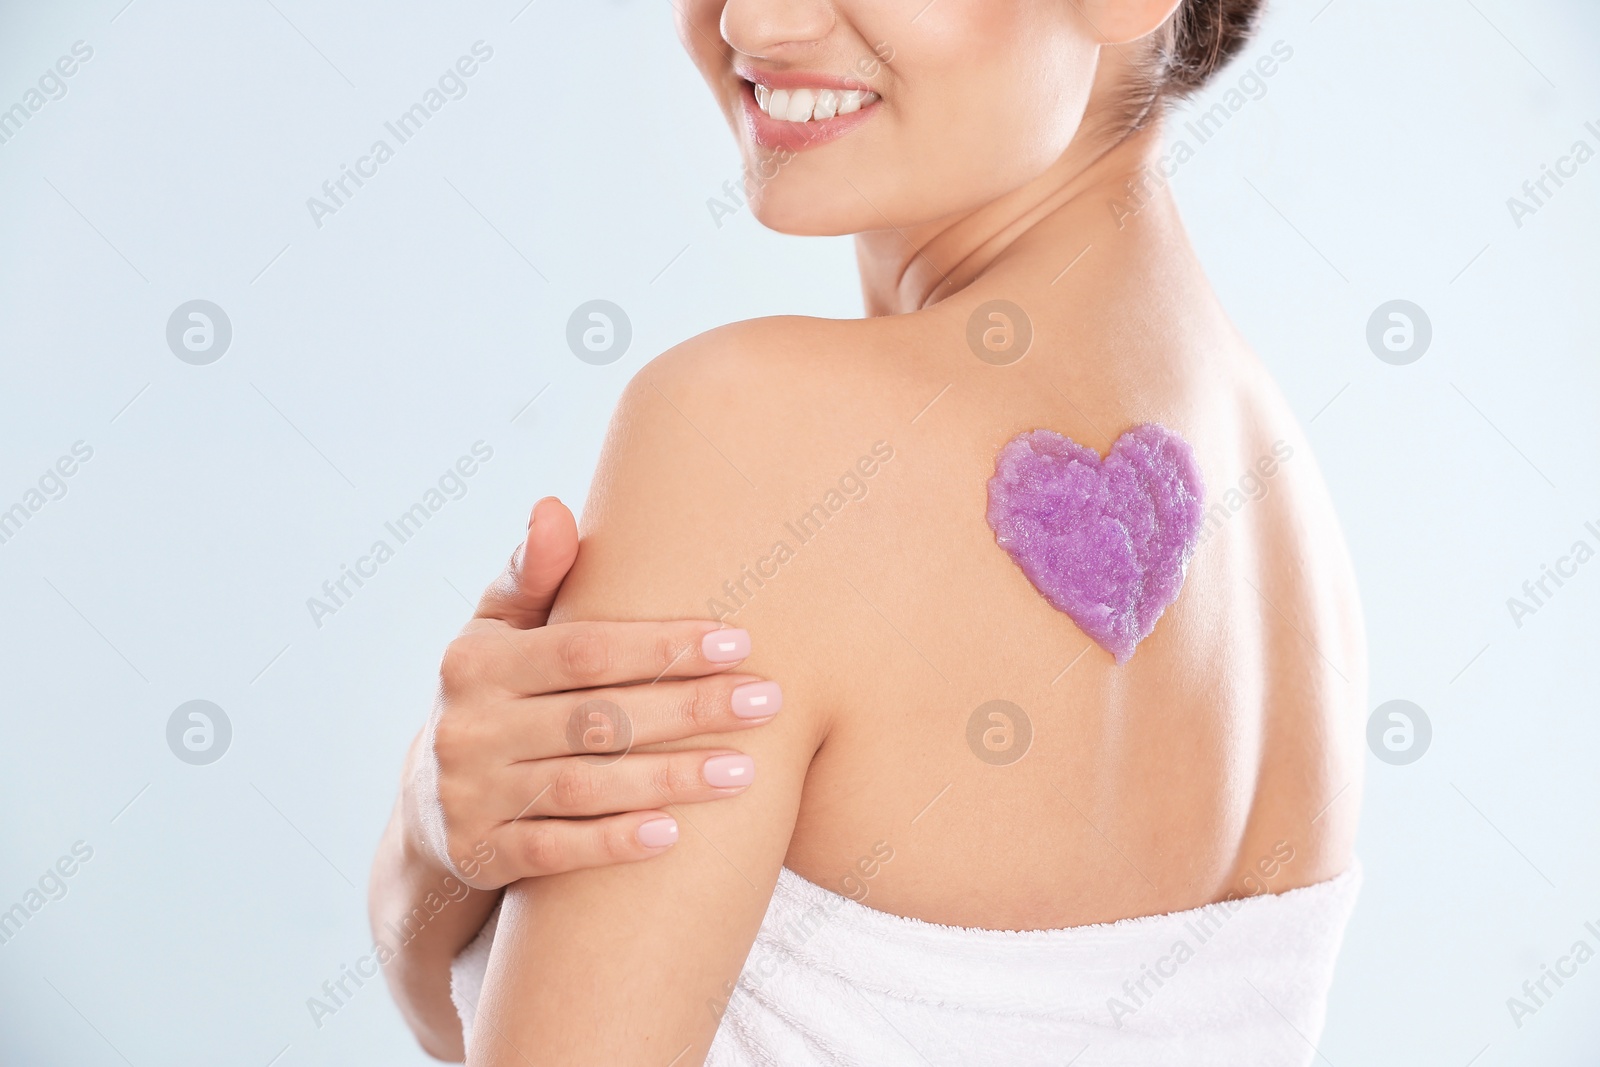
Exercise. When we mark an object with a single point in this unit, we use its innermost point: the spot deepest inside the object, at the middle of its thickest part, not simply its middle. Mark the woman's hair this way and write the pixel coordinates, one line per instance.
(1196, 42)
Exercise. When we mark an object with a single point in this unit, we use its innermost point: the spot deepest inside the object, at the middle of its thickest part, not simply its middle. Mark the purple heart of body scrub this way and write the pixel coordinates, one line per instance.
(1105, 541)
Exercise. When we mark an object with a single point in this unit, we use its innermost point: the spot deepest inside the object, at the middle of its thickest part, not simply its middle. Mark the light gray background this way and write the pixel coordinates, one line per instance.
(370, 353)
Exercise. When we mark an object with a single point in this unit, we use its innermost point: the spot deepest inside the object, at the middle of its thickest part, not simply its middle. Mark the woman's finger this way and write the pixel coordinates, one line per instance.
(532, 848)
(524, 592)
(617, 719)
(586, 655)
(582, 786)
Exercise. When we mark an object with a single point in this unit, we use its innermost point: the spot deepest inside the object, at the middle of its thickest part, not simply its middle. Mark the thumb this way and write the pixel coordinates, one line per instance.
(522, 596)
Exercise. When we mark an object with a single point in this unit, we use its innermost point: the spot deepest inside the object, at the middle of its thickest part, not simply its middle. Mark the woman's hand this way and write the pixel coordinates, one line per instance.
(521, 770)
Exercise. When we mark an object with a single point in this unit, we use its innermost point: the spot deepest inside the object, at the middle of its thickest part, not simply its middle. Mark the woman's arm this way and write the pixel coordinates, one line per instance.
(634, 965)
(648, 954)
(493, 789)
(424, 915)
(408, 878)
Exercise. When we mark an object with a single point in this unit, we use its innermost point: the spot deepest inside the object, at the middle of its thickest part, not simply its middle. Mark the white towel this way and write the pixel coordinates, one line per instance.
(830, 981)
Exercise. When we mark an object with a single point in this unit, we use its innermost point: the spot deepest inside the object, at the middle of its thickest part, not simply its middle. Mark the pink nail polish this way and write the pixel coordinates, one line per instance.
(757, 700)
(726, 646)
(657, 833)
(725, 771)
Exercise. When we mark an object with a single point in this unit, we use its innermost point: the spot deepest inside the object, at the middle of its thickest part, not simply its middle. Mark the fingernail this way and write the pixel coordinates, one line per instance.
(725, 646)
(724, 771)
(757, 700)
(534, 514)
(657, 833)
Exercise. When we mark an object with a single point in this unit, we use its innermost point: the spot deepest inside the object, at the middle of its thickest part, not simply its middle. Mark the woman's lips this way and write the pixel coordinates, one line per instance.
(821, 112)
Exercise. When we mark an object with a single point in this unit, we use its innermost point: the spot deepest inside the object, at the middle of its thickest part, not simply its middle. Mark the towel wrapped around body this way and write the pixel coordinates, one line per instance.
(830, 981)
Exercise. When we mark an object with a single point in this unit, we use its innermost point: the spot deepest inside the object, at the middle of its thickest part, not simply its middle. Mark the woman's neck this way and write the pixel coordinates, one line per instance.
(904, 270)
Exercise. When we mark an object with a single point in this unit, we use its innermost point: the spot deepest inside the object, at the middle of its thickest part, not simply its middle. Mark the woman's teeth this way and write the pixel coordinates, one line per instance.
(804, 105)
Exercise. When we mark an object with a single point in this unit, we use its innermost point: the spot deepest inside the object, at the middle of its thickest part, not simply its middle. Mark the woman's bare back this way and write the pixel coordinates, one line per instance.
(1223, 758)
(823, 485)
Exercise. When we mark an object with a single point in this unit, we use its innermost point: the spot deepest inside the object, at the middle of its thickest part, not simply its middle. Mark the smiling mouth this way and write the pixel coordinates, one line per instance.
(810, 105)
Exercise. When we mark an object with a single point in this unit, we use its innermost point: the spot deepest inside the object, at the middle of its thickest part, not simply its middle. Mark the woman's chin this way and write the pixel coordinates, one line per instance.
(793, 212)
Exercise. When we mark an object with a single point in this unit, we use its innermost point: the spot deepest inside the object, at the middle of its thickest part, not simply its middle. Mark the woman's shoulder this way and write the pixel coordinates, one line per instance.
(790, 351)
(765, 397)
(710, 439)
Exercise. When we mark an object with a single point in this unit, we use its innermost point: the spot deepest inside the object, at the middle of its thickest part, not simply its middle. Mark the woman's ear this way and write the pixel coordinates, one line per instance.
(1115, 22)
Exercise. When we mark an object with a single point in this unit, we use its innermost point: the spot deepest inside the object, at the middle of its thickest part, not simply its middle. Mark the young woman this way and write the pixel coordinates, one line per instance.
(1073, 670)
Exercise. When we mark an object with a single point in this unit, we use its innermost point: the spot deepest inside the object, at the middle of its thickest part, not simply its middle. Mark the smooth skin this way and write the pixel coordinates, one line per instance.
(513, 777)
(1222, 760)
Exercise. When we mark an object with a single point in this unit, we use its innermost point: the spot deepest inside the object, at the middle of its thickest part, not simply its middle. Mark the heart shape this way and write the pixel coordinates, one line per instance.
(1105, 541)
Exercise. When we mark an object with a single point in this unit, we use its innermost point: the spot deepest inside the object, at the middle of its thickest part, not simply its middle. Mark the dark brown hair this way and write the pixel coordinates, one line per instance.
(1196, 42)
